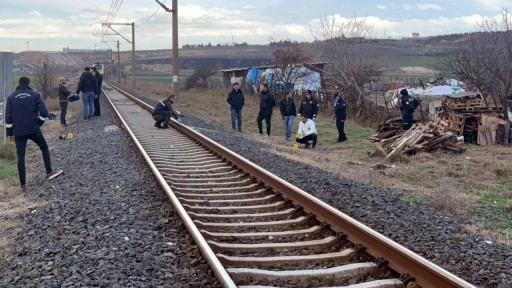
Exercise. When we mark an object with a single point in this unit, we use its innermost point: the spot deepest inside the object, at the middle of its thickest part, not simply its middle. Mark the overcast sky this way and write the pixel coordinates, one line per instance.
(77, 24)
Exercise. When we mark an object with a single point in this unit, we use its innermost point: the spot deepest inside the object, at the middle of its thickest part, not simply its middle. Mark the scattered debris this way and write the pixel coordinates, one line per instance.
(419, 138)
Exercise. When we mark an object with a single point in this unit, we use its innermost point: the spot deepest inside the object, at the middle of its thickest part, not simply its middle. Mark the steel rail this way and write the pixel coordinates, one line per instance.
(424, 273)
(217, 267)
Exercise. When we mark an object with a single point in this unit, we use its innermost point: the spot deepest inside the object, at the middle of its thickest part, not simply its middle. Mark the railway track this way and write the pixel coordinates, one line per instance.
(255, 229)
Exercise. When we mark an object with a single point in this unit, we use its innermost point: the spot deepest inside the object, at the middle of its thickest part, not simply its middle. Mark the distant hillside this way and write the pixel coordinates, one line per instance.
(388, 52)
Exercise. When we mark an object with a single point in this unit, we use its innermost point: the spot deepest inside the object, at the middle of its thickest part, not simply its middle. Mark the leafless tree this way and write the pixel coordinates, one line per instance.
(199, 78)
(290, 59)
(484, 60)
(45, 76)
(352, 62)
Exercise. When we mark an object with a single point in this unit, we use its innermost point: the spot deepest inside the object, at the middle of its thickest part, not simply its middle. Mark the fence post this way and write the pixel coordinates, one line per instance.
(6, 78)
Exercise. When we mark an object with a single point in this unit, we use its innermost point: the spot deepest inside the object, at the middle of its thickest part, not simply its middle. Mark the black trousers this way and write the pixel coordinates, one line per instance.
(21, 146)
(267, 115)
(161, 119)
(97, 105)
(63, 112)
(340, 125)
(310, 137)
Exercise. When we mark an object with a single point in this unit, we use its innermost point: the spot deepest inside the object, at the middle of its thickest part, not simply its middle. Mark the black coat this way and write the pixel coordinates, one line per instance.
(287, 107)
(309, 107)
(407, 107)
(25, 112)
(87, 83)
(99, 81)
(164, 108)
(63, 93)
(267, 101)
(340, 109)
(236, 99)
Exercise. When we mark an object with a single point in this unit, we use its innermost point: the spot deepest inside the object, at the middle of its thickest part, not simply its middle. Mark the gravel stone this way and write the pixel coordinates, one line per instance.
(104, 223)
(427, 233)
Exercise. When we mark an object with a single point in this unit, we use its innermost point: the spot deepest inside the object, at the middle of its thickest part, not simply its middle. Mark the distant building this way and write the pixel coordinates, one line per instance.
(415, 35)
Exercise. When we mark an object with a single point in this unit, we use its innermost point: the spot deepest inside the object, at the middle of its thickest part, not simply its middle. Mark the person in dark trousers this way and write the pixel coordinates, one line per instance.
(99, 82)
(63, 100)
(237, 101)
(25, 112)
(89, 88)
(267, 103)
(288, 112)
(407, 107)
(163, 112)
(309, 106)
(307, 133)
(340, 111)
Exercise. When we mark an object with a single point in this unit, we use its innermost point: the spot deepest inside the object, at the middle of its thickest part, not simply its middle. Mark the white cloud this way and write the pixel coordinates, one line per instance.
(492, 5)
(407, 6)
(429, 7)
(382, 7)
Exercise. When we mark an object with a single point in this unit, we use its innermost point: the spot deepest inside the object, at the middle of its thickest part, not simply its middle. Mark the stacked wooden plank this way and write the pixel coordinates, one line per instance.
(419, 138)
(462, 114)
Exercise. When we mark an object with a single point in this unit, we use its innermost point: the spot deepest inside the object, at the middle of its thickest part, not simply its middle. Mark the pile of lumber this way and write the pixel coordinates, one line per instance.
(419, 138)
(462, 114)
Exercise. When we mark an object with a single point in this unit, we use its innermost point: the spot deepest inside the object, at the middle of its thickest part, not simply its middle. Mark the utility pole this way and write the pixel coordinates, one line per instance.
(175, 54)
(132, 42)
(118, 64)
(27, 44)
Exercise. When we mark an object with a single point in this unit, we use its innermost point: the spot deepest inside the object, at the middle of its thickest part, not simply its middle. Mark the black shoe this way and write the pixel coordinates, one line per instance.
(165, 126)
(157, 124)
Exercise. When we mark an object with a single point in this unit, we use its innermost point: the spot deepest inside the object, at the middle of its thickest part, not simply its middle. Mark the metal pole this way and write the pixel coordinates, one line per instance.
(118, 64)
(175, 54)
(133, 55)
(6, 60)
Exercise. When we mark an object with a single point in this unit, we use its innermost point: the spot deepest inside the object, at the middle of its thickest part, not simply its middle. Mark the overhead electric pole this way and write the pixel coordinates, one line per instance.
(132, 42)
(175, 54)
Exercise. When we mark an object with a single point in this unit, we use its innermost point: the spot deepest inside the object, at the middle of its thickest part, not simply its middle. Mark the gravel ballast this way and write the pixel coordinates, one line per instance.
(104, 223)
(437, 237)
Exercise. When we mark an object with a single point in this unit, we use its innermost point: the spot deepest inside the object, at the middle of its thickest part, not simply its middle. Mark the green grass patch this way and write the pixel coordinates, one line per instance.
(411, 199)
(8, 172)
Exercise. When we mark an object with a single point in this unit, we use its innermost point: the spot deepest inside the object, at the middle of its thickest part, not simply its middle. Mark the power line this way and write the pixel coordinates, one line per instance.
(149, 18)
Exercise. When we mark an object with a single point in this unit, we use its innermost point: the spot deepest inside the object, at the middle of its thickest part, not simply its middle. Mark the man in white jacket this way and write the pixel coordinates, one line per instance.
(307, 133)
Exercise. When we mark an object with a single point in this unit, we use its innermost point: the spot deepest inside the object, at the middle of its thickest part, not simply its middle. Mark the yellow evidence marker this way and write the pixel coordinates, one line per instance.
(70, 135)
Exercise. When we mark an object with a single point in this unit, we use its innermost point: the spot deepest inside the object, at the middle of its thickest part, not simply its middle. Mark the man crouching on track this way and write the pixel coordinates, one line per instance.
(163, 112)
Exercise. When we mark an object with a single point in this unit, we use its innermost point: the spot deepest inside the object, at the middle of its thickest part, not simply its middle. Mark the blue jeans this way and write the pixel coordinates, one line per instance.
(288, 124)
(88, 103)
(236, 114)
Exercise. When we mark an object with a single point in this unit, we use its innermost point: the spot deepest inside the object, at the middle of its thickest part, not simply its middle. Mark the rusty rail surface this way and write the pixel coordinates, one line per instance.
(411, 266)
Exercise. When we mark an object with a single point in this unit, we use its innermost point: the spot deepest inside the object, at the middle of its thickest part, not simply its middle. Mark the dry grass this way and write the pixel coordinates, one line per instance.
(476, 184)
(12, 201)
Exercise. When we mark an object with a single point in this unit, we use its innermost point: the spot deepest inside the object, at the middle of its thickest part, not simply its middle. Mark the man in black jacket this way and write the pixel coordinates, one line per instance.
(407, 107)
(89, 88)
(267, 103)
(63, 100)
(288, 111)
(25, 112)
(237, 101)
(309, 106)
(99, 82)
(163, 112)
(340, 111)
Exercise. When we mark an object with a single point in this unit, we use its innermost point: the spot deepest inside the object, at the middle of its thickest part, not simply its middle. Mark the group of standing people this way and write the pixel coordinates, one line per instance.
(308, 110)
(26, 112)
(89, 84)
